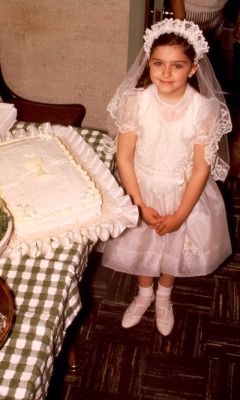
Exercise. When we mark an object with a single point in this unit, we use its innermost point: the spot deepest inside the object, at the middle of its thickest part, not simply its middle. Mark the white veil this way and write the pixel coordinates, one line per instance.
(216, 154)
(118, 101)
(210, 88)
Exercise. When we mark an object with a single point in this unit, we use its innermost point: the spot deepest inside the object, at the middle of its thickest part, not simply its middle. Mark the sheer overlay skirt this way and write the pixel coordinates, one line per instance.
(197, 248)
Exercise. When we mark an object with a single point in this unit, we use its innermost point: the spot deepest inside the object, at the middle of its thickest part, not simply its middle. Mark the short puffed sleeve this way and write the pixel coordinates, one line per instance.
(124, 111)
(210, 131)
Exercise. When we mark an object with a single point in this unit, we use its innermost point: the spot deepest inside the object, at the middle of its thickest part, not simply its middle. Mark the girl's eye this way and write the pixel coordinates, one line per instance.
(178, 66)
(157, 63)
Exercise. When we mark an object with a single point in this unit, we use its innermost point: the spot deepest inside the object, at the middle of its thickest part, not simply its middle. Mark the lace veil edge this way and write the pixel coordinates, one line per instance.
(217, 153)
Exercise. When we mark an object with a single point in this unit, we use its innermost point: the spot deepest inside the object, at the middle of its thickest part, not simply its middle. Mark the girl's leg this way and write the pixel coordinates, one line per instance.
(141, 302)
(145, 281)
(166, 280)
(164, 311)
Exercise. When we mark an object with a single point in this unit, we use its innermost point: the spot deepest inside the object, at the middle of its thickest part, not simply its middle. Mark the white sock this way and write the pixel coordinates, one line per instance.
(142, 301)
(163, 302)
(164, 291)
(145, 291)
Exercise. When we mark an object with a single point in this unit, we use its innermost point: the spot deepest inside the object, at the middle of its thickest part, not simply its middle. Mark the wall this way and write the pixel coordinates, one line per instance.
(136, 28)
(70, 51)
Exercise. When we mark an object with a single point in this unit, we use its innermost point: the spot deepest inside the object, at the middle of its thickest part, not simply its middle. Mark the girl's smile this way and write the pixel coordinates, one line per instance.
(170, 69)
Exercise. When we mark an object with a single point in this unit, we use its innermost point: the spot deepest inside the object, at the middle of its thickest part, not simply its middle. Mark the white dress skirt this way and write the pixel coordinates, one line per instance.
(163, 162)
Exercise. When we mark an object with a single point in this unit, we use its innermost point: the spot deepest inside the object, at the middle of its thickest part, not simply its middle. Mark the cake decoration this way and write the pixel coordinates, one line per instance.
(81, 198)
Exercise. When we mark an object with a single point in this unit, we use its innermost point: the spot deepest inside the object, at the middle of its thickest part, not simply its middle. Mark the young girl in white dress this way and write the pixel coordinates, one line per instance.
(167, 143)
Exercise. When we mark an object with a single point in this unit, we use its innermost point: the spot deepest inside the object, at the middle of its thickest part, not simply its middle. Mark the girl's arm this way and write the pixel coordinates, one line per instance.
(191, 196)
(178, 9)
(125, 157)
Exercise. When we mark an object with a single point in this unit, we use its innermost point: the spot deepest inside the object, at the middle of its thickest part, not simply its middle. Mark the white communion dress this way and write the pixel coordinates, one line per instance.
(163, 163)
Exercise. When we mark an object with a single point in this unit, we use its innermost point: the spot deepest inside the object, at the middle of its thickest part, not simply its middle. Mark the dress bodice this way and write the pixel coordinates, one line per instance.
(167, 133)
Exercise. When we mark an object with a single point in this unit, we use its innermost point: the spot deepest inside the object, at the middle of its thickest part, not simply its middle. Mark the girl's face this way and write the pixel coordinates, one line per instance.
(169, 70)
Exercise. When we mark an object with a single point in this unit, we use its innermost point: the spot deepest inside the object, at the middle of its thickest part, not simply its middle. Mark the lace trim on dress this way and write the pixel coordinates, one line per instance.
(125, 117)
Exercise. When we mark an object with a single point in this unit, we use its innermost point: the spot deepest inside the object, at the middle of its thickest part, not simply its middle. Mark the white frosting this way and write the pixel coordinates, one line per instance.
(44, 188)
(117, 214)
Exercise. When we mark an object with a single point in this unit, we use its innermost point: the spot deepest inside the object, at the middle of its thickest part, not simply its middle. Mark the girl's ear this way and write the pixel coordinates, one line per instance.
(193, 70)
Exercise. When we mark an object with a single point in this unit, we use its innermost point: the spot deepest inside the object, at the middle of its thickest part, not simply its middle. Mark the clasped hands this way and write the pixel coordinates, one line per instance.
(161, 224)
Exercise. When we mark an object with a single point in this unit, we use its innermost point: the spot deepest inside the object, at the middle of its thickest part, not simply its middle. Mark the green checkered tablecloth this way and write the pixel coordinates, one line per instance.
(47, 300)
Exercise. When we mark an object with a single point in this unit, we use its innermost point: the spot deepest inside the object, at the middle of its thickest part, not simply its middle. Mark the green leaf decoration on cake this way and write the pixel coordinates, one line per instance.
(4, 218)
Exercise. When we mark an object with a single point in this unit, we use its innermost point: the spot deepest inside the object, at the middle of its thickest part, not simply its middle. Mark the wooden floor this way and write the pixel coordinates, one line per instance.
(200, 360)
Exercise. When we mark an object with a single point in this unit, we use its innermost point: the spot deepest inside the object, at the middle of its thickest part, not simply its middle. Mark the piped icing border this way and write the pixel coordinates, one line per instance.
(118, 213)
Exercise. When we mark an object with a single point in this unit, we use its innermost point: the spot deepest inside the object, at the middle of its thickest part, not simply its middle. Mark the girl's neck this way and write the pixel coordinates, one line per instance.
(172, 98)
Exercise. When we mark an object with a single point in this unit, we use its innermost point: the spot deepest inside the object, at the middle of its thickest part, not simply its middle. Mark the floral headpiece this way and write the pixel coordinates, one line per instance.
(187, 29)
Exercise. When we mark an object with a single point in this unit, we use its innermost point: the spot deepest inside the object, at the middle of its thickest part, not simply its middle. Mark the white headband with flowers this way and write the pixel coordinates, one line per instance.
(187, 29)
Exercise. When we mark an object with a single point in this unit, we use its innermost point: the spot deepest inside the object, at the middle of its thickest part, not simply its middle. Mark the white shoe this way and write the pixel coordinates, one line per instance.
(135, 311)
(164, 315)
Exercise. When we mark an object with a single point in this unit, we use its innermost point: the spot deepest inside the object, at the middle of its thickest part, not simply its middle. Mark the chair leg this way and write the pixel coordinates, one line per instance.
(73, 358)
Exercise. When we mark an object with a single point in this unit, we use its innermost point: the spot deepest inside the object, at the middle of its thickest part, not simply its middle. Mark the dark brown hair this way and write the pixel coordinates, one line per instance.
(168, 39)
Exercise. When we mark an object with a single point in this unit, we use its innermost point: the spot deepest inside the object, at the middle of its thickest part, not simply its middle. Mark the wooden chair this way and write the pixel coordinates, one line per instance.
(6, 312)
(32, 111)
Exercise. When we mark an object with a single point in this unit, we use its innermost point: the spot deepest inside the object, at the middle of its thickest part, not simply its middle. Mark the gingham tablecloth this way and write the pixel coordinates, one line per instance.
(47, 300)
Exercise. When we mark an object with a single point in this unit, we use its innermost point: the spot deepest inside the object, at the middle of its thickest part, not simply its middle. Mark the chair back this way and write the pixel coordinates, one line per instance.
(33, 111)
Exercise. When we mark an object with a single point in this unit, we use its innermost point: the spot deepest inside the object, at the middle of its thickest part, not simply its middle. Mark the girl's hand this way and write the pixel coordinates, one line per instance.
(168, 224)
(195, 186)
(149, 216)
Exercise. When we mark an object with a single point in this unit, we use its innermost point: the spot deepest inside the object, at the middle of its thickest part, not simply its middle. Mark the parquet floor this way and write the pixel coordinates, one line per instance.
(200, 360)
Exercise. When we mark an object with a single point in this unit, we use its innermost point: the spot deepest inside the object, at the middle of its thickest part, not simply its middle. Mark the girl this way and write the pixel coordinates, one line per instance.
(166, 157)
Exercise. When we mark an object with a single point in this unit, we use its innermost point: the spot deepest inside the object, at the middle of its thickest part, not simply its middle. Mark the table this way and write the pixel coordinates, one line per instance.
(47, 300)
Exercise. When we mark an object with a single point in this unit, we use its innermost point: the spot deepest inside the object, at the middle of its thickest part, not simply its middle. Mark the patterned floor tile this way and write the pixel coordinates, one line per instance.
(199, 360)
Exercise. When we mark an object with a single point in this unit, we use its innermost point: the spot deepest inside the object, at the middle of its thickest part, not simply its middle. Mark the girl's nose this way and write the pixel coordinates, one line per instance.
(166, 71)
